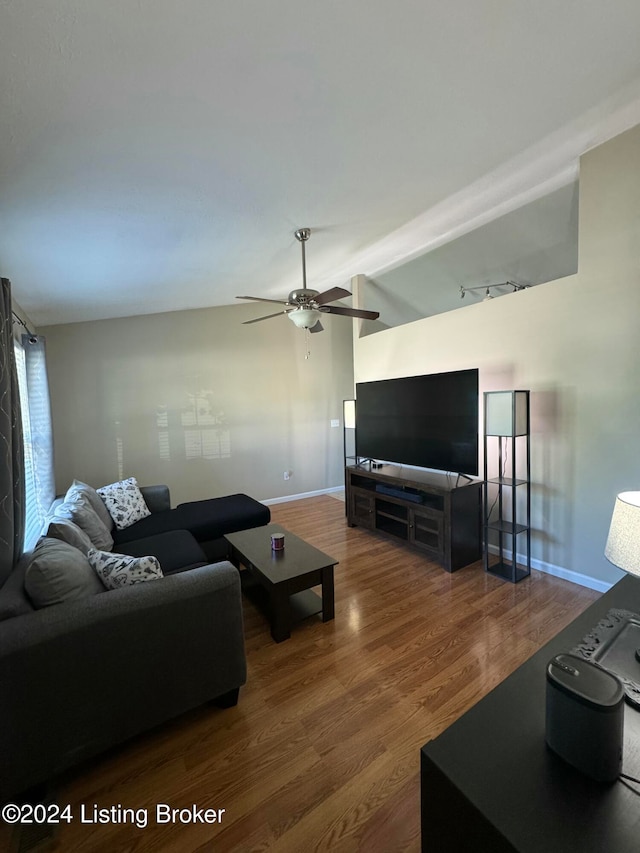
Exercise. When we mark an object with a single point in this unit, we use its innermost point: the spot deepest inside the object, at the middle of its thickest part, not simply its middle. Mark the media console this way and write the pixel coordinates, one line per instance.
(437, 513)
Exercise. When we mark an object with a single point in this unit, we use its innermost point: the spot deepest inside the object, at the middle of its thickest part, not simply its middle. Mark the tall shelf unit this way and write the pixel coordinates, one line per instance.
(507, 485)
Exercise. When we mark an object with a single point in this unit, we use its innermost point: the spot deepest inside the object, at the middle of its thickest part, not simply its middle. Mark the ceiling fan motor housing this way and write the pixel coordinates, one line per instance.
(301, 297)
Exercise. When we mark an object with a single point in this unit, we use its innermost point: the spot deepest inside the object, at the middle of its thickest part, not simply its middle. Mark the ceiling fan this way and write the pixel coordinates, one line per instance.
(304, 307)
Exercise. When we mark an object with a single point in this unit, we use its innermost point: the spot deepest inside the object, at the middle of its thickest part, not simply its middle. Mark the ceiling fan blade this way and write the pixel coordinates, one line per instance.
(330, 295)
(317, 328)
(350, 312)
(260, 299)
(267, 317)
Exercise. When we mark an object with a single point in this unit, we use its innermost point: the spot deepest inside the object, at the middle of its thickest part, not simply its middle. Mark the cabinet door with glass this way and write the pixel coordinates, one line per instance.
(426, 529)
(362, 508)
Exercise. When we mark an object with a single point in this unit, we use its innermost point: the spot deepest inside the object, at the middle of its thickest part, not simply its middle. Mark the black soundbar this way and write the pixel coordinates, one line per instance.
(405, 494)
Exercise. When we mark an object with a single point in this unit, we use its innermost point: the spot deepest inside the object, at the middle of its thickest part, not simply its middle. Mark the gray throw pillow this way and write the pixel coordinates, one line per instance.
(58, 572)
(69, 532)
(116, 570)
(78, 509)
(94, 499)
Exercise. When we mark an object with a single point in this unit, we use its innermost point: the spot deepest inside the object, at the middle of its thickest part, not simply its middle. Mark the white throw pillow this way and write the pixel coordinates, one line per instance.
(125, 502)
(116, 570)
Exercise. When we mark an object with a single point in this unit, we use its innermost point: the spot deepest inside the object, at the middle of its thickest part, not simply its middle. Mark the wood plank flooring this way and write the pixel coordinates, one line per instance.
(322, 751)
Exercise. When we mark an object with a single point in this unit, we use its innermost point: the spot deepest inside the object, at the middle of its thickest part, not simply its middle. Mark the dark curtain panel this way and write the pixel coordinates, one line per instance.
(11, 447)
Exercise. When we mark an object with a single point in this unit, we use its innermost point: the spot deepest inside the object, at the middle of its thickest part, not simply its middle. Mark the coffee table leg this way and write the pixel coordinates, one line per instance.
(280, 616)
(328, 607)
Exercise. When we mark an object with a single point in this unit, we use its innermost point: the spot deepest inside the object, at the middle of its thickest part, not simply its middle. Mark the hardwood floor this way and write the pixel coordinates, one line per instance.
(322, 751)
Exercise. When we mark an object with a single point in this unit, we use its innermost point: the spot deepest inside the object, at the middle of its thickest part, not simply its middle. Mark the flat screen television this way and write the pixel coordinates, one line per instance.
(428, 421)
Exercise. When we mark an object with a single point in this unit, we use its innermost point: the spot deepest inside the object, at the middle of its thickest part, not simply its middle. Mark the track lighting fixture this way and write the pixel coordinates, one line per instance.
(487, 288)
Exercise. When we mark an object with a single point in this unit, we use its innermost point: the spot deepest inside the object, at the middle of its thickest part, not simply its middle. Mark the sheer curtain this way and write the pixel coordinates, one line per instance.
(11, 444)
(37, 432)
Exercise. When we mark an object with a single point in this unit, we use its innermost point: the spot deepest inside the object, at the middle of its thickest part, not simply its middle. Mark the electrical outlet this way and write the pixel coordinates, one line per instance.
(287, 474)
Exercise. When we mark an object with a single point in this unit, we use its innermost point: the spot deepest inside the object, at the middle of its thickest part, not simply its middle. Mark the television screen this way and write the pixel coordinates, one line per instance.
(429, 421)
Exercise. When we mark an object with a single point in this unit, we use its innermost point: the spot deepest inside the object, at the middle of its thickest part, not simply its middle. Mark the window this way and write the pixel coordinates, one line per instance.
(36, 428)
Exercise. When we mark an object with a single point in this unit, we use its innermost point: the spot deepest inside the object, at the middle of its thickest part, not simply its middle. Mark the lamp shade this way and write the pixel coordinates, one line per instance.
(349, 413)
(304, 318)
(623, 543)
(506, 412)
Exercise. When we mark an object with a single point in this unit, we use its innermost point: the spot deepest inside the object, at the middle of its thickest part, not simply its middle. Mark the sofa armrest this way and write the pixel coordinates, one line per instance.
(157, 498)
(77, 678)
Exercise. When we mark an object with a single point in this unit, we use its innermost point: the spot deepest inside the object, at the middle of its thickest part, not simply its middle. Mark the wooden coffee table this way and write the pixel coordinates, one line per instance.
(285, 576)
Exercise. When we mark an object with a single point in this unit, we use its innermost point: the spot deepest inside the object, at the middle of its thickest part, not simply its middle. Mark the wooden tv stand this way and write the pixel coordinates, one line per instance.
(437, 513)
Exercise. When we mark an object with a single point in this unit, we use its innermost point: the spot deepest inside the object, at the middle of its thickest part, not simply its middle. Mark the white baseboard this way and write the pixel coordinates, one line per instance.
(302, 495)
(540, 565)
(560, 572)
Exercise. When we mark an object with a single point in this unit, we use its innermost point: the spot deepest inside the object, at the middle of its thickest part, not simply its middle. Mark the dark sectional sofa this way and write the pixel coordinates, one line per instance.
(82, 675)
(206, 521)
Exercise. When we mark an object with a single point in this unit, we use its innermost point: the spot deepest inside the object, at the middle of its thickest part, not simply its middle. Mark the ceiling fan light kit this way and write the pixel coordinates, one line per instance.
(305, 307)
(305, 318)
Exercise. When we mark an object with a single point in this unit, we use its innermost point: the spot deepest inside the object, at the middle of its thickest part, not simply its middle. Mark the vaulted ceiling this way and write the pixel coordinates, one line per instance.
(158, 155)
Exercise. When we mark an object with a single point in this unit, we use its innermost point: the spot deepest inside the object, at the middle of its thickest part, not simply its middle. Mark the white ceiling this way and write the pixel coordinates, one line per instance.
(158, 155)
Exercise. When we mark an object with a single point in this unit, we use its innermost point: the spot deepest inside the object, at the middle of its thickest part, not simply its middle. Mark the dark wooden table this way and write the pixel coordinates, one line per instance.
(489, 782)
(286, 576)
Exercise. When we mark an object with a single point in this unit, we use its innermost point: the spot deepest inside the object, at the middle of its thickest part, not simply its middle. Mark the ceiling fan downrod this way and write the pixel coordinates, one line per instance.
(302, 235)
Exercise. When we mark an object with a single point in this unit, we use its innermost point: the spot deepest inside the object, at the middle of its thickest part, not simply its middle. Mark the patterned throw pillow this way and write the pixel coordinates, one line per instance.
(116, 570)
(125, 502)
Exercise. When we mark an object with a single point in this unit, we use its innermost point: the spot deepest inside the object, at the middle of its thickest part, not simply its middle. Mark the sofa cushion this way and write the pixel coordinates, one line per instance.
(176, 550)
(157, 522)
(116, 570)
(124, 502)
(58, 572)
(212, 518)
(67, 531)
(94, 499)
(157, 497)
(208, 519)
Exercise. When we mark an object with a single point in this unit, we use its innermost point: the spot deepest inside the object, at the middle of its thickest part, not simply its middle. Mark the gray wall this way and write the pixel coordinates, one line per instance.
(199, 401)
(575, 343)
(536, 243)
